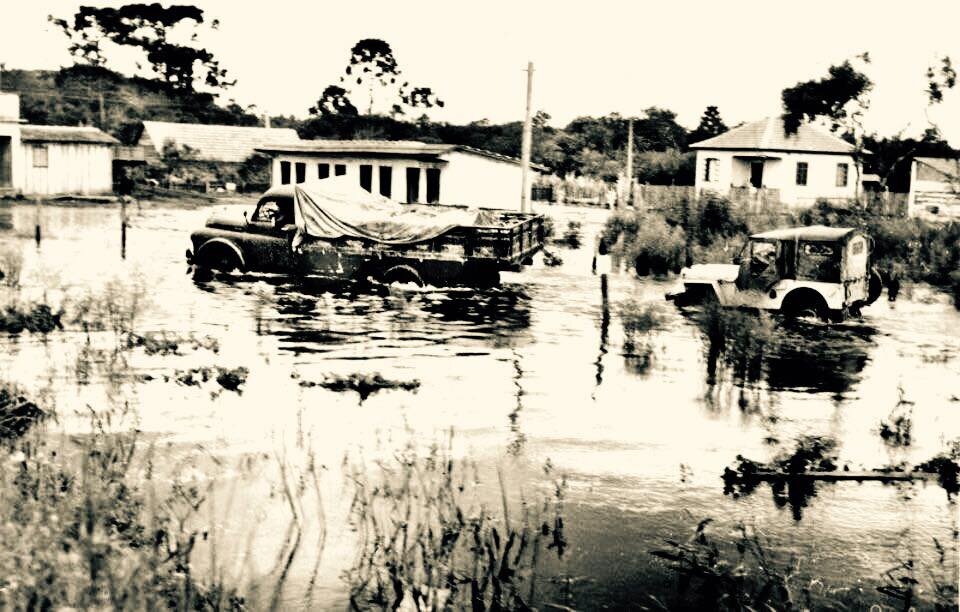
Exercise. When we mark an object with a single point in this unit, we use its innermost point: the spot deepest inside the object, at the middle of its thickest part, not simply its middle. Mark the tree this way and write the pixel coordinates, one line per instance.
(840, 97)
(334, 101)
(373, 70)
(146, 27)
(711, 124)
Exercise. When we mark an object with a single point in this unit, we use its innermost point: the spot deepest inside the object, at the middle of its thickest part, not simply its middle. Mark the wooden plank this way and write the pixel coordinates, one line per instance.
(838, 476)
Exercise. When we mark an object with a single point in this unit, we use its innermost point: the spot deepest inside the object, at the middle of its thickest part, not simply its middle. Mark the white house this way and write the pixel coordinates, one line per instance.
(404, 170)
(52, 160)
(797, 169)
(934, 188)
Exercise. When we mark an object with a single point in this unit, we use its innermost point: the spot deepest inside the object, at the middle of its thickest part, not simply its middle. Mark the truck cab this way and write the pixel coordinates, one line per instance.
(816, 271)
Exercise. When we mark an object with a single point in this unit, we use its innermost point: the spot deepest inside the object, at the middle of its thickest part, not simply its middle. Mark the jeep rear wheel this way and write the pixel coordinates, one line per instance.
(805, 303)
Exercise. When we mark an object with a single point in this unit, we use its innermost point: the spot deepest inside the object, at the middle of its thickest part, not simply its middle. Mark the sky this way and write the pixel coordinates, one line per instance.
(590, 58)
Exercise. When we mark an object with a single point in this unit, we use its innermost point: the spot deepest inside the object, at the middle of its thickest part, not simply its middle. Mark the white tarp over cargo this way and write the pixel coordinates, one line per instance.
(338, 207)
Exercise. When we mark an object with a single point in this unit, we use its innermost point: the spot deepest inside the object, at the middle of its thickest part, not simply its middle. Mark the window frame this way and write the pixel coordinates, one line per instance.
(366, 177)
(843, 169)
(433, 185)
(803, 171)
(413, 186)
(323, 171)
(385, 180)
(286, 172)
(45, 150)
(339, 169)
(708, 176)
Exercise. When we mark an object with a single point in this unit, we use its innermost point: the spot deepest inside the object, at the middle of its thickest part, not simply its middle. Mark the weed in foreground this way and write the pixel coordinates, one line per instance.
(744, 573)
(84, 527)
(426, 541)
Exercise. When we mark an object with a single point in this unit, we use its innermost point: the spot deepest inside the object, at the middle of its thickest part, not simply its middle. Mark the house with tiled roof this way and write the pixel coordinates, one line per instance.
(405, 170)
(209, 155)
(797, 169)
(934, 188)
(211, 143)
(44, 160)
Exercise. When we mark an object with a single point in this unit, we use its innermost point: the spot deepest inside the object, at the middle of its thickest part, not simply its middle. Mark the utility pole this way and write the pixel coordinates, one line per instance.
(526, 145)
(630, 162)
(103, 116)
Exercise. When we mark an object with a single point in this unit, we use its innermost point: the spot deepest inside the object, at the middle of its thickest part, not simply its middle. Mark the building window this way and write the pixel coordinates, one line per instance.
(323, 171)
(843, 170)
(366, 176)
(40, 156)
(339, 169)
(386, 180)
(284, 173)
(301, 171)
(710, 170)
(413, 185)
(433, 185)
(801, 173)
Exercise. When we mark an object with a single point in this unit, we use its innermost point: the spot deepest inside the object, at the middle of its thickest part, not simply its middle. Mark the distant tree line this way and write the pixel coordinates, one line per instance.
(183, 82)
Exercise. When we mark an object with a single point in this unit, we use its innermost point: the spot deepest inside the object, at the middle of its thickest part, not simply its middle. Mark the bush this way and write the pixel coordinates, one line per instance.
(573, 235)
(717, 219)
(924, 251)
(657, 247)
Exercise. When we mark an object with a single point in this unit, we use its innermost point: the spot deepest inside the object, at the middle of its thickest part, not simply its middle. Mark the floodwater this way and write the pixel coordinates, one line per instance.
(532, 371)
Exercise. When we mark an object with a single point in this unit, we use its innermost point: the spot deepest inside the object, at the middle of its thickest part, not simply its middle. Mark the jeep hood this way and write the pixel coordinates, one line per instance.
(710, 272)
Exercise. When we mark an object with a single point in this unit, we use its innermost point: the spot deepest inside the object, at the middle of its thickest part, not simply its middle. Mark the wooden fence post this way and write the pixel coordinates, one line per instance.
(37, 227)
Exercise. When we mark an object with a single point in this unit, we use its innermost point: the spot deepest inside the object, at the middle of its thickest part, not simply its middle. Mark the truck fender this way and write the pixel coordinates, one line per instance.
(214, 243)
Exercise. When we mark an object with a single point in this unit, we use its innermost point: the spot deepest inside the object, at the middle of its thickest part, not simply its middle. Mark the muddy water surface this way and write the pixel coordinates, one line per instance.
(534, 370)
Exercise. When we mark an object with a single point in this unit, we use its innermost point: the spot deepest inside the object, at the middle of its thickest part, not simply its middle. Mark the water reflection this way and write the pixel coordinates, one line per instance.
(819, 358)
(787, 355)
(319, 315)
(604, 332)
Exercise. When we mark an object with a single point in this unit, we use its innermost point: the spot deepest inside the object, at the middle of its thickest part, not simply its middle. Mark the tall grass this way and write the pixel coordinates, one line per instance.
(743, 572)
(85, 525)
(426, 540)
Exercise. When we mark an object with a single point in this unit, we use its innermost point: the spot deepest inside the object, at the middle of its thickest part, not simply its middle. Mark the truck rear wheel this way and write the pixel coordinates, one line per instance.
(401, 274)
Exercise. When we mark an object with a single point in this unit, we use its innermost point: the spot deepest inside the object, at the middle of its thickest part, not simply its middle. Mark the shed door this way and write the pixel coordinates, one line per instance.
(6, 162)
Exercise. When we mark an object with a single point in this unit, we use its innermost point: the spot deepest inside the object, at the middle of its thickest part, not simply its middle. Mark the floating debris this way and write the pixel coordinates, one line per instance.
(364, 384)
(229, 379)
(166, 343)
(946, 468)
(38, 319)
(551, 260)
(17, 413)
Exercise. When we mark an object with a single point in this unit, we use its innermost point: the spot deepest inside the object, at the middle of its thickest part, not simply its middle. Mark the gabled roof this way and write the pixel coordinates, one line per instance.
(65, 134)
(224, 143)
(385, 148)
(768, 135)
(812, 233)
(947, 166)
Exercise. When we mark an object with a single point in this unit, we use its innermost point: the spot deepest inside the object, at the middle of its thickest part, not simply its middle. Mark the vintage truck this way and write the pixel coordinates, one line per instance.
(815, 271)
(336, 229)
